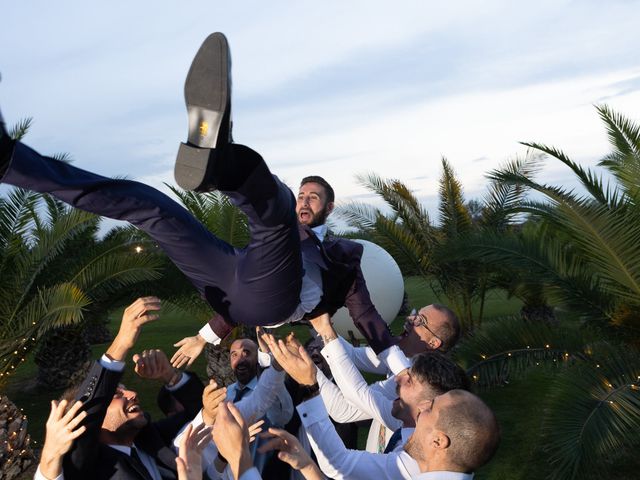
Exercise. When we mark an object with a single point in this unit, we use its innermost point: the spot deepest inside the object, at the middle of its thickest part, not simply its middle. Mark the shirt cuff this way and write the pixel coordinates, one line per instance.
(395, 359)
(251, 474)
(209, 335)
(113, 365)
(39, 476)
(264, 359)
(183, 379)
(312, 411)
(333, 348)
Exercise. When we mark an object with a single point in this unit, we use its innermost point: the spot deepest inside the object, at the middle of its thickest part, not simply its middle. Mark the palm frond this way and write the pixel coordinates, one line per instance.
(454, 216)
(509, 347)
(594, 415)
(19, 130)
(52, 307)
(592, 183)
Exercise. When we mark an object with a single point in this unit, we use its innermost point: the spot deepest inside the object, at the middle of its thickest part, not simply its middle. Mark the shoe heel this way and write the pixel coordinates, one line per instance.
(191, 167)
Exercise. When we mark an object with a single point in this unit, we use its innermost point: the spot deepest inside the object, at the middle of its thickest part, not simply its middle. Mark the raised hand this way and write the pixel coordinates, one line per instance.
(294, 360)
(134, 317)
(190, 348)
(232, 438)
(154, 364)
(189, 459)
(212, 397)
(61, 432)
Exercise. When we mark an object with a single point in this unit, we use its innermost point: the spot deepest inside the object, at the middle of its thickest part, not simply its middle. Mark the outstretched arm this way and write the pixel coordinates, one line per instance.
(97, 390)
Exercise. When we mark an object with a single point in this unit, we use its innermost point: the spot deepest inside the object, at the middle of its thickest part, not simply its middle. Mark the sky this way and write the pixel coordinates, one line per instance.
(333, 88)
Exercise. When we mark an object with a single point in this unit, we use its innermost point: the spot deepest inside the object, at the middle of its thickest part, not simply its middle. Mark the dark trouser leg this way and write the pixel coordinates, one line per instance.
(269, 269)
(256, 285)
(205, 259)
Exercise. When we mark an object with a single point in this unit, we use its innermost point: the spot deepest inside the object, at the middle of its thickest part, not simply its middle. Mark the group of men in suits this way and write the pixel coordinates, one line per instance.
(291, 270)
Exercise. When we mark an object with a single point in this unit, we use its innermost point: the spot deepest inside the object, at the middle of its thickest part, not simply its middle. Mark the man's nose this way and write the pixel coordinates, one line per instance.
(130, 394)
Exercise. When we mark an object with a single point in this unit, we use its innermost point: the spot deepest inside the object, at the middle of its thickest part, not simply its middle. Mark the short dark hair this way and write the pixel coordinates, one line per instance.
(449, 332)
(331, 196)
(472, 428)
(441, 373)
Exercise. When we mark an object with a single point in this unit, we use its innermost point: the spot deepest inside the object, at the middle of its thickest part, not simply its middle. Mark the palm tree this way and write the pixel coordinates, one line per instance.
(50, 277)
(431, 250)
(584, 249)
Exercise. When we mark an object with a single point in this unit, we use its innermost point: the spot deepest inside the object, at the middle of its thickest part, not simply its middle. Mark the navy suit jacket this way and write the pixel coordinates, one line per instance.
(90, 459)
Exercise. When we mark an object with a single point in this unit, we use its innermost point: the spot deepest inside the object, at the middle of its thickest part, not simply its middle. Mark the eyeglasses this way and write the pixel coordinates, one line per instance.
(419, 320)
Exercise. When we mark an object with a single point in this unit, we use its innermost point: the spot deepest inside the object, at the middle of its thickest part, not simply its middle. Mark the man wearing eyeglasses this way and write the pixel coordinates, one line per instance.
(434, 327)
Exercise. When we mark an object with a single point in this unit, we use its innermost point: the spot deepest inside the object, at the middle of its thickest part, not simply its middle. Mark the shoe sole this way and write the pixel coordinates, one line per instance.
(207, 93)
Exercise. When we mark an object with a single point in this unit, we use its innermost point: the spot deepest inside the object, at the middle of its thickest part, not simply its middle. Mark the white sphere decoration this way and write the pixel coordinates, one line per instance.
(385, 285)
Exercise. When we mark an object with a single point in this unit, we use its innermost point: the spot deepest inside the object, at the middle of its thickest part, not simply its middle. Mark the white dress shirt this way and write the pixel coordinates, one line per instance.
(347, 406)
(444, 475)
(338, 462)
(374, 401)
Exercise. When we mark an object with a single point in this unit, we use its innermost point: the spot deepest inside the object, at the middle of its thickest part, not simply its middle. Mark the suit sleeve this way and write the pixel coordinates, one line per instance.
(96, 392)
(364, 314)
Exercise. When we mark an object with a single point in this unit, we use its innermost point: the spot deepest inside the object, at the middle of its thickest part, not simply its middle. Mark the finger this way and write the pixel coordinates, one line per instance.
(180, 362)
(236, 414)
(293, 340)
(257, 424)
(272, 444)
(280, 433)
(57, 409)
(182, 469)
(152, 361)
(180, 343)
(77, 419)
(146, 318)
(76, 433)
(305, 355)
(190, 361)
(72, 411)
(136, 358)
(183, 446)
(286, 457)
(217, 396)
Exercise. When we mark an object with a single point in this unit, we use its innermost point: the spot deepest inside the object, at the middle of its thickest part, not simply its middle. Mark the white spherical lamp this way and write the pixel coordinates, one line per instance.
(385, 285)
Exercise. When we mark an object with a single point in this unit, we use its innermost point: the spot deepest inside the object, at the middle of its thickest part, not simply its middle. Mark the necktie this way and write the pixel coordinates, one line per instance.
(240, 392)
(393, 441)
(138, 465)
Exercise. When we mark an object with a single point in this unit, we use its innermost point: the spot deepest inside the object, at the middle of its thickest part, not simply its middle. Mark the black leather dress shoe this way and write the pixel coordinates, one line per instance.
(207, 93)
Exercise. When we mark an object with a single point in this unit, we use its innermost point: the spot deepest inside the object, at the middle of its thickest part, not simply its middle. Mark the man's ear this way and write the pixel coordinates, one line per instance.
(330, 207)
(435, 343)
(440, 440)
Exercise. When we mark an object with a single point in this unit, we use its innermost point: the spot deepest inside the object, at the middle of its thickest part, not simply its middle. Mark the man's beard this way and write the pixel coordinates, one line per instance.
(319, 218)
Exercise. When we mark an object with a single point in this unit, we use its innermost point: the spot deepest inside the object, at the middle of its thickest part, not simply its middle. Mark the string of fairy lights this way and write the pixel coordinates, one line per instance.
(633, 386)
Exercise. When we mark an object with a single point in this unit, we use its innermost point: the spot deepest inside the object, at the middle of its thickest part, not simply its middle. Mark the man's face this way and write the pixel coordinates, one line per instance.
(244, 360)
(418, 338)
(312, 208)
(411, 394)
(313, 349)
(124, 412)
(429, 411)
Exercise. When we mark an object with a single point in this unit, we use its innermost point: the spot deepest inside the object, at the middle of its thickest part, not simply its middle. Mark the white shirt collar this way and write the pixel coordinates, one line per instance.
(443, 475)
(320, 231)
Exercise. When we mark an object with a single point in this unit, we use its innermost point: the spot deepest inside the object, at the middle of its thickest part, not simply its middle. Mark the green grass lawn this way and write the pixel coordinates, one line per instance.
(516, 405)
